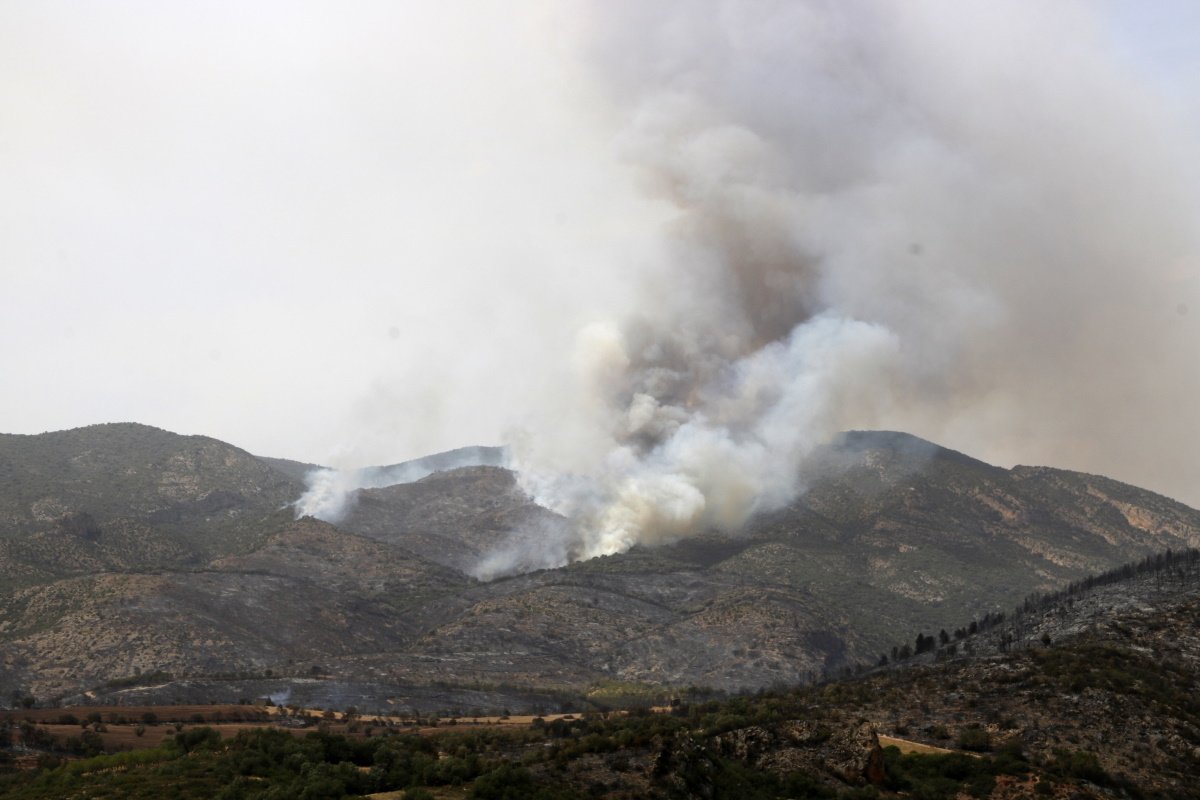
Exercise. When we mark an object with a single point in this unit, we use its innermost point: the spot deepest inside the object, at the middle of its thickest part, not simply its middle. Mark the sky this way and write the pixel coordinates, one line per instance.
(355, 233)
(293, 226)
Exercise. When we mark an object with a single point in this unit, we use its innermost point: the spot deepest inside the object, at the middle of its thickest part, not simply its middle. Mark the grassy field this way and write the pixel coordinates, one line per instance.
(906, 747)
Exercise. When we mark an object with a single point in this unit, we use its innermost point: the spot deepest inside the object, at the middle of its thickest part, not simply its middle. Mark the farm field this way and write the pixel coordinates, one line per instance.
(123, 728)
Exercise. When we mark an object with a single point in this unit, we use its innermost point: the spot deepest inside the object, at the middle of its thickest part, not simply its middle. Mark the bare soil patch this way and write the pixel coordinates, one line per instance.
(907, 746)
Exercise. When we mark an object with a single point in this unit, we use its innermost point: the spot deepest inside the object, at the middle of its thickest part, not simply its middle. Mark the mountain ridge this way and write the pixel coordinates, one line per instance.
(892, 534)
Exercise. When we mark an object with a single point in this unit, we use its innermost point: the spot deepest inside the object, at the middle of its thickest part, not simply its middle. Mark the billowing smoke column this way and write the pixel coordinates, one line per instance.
(697, 443)
(966, 220)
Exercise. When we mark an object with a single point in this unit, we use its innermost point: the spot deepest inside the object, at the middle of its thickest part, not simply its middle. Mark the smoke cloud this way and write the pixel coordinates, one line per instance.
(671, 246)
(970, 221)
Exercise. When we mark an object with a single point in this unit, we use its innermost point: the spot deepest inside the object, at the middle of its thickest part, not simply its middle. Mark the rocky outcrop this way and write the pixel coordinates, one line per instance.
(850, 754)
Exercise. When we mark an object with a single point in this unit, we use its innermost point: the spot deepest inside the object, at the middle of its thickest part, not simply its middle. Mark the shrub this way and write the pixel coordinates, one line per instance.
(1079, 764)
(197, 739)
(506, 782)
(976, 739)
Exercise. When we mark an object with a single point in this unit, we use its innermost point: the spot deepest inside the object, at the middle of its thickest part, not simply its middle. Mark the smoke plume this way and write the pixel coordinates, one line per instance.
(966, 220)
(329, 494)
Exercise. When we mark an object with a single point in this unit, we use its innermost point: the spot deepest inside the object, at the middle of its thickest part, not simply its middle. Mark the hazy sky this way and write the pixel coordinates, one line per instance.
(306, 228)
(340, 232)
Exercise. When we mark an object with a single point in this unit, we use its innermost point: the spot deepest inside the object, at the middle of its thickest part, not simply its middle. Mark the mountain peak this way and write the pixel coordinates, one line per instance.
(904, 446)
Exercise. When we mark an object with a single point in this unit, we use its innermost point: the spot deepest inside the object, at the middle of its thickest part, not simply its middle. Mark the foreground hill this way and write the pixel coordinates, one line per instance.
(1108, 710)
(130, 551)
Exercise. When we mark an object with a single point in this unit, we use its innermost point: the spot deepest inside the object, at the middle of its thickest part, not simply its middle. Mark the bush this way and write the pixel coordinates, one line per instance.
(506, 782)
(975, 739)
(1082, 765)
(939, 777)
(197, 739)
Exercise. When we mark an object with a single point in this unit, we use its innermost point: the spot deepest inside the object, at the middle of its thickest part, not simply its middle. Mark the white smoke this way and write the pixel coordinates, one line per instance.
(545, 544)
(966, 220)
(330, 493)
(732, 447)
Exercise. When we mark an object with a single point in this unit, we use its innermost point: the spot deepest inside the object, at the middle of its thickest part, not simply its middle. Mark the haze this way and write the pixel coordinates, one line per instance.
(662, 249)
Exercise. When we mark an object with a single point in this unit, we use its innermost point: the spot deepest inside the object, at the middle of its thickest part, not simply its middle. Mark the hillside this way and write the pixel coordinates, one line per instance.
(129, 550)
(1108, 710)
(453, 518)
(903, 528)
(126, 496)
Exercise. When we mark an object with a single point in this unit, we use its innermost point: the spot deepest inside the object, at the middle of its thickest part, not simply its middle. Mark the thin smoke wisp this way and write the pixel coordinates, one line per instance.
(329, 494)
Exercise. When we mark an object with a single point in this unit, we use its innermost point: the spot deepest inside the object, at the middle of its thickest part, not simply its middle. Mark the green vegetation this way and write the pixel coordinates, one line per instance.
(685, 751)
(696, 749)
(626, 694)
(976, 739)
(269, 764)
(942, 777)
